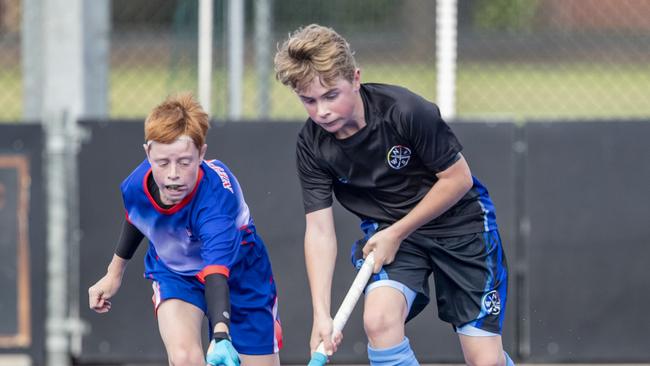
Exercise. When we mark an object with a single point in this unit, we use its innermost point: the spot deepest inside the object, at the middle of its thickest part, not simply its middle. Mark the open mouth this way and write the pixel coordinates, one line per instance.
(174, 187)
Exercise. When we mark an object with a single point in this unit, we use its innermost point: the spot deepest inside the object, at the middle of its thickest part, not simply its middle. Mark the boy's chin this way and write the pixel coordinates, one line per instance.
(173, 200)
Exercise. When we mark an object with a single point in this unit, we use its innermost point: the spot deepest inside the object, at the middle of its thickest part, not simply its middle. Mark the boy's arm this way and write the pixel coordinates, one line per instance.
(217, 298)
(100, 293)
(320, 258)
(453, 183)
(220, 245)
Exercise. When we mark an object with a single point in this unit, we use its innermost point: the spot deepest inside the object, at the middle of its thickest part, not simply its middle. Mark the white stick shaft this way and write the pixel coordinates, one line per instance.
(351, 298)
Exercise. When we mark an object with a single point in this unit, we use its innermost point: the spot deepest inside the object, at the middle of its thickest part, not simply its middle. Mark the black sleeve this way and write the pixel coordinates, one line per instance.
(217, 298)
(130, 239)
(316, 183)
(433, 140)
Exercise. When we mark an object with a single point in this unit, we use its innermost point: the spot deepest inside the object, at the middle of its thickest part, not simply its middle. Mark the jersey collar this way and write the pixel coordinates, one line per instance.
(176, 207)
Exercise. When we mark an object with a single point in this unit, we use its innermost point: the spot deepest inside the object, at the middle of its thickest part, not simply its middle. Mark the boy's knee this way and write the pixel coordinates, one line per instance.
(377, 322)
(181, 356)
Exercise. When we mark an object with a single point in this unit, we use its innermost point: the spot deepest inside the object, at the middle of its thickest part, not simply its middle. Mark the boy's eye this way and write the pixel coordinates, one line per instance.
(331, 96)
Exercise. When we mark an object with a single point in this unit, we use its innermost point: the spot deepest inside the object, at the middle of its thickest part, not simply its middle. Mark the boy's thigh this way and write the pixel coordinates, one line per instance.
(482, 350)
(180, 324)
(411, 268)
(263, 360)
(387, 302)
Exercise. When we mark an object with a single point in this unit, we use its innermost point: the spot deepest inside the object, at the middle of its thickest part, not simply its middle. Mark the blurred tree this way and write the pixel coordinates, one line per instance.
(505, 15)
(9, 16)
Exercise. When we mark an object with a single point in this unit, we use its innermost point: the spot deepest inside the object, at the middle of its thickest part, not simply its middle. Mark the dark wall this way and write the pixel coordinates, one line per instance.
(571, 202)
(128, 331)
(22, 283)
(588, 209)
(262, 156)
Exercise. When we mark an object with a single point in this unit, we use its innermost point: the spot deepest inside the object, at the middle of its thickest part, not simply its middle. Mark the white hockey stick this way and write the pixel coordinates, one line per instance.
(319, 358)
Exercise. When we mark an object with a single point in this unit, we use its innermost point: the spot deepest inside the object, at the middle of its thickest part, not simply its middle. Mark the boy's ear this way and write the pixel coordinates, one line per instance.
(356, 80)
(202, 152)
(146, 149)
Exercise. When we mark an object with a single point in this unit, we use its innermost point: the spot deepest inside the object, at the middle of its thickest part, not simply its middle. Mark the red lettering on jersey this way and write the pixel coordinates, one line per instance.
(225, 180)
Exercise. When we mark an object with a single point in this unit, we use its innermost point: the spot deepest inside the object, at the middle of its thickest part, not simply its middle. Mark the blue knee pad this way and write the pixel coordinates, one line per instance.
(509, 361)
(398, 355)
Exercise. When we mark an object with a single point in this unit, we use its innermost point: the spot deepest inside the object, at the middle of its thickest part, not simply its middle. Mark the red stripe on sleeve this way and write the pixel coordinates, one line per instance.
(208, 270)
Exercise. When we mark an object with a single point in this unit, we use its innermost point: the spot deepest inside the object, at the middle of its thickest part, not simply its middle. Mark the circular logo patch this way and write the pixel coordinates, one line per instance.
(398, 156)
(492, 303)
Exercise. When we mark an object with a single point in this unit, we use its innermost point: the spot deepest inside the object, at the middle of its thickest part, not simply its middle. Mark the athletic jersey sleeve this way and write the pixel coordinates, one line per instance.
(315, 182)
(432, 139)
(219, 234)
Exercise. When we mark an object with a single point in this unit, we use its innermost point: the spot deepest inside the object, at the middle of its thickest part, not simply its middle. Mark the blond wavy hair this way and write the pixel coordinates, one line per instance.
(179, 115)
(314, 51)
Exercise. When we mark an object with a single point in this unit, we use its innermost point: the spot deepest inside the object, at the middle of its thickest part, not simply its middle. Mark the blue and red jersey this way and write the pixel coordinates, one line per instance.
(203, 233)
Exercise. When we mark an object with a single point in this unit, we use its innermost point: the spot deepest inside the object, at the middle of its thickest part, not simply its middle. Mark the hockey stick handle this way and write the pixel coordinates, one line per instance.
(350, 300)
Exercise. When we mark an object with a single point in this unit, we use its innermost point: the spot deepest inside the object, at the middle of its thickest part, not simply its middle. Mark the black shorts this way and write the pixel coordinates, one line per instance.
(470, 274)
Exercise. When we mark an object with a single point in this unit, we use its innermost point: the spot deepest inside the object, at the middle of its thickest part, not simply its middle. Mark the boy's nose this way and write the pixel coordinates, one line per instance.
(323, 110)
(173, 172)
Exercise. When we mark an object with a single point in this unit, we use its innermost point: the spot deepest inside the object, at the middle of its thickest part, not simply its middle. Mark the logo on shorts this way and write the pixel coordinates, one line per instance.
(398, 156)
(491, 303)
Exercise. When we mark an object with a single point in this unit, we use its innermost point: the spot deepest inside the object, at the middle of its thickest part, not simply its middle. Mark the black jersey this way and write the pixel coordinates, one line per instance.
(383, 170)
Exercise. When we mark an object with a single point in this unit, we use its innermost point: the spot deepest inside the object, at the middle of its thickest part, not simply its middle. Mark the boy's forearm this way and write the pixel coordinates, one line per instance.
(320, 258)
(117, 266)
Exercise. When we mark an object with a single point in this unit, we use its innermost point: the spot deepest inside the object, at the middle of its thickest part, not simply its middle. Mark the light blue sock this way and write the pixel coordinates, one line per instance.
(509, 361)
(398, 355)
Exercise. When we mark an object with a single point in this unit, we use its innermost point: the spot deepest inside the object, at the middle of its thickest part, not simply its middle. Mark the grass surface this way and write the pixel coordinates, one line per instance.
(510, 91)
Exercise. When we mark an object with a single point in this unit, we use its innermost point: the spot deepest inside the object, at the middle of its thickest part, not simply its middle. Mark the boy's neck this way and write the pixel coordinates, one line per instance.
(356, 124)
(155, 193)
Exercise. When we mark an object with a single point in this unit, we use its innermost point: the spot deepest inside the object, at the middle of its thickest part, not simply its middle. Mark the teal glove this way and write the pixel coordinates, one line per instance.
(221, 352)
(317, 359)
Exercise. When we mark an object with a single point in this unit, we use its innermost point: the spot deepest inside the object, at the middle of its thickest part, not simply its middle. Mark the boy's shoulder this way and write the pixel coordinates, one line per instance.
(217, 175)
(214, 164)
(394, 100)
(397, 105)
(137, 175)
(378, 92)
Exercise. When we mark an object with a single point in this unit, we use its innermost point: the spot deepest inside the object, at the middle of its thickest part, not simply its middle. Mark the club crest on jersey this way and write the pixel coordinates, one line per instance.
(398, 156)
(491, 303)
